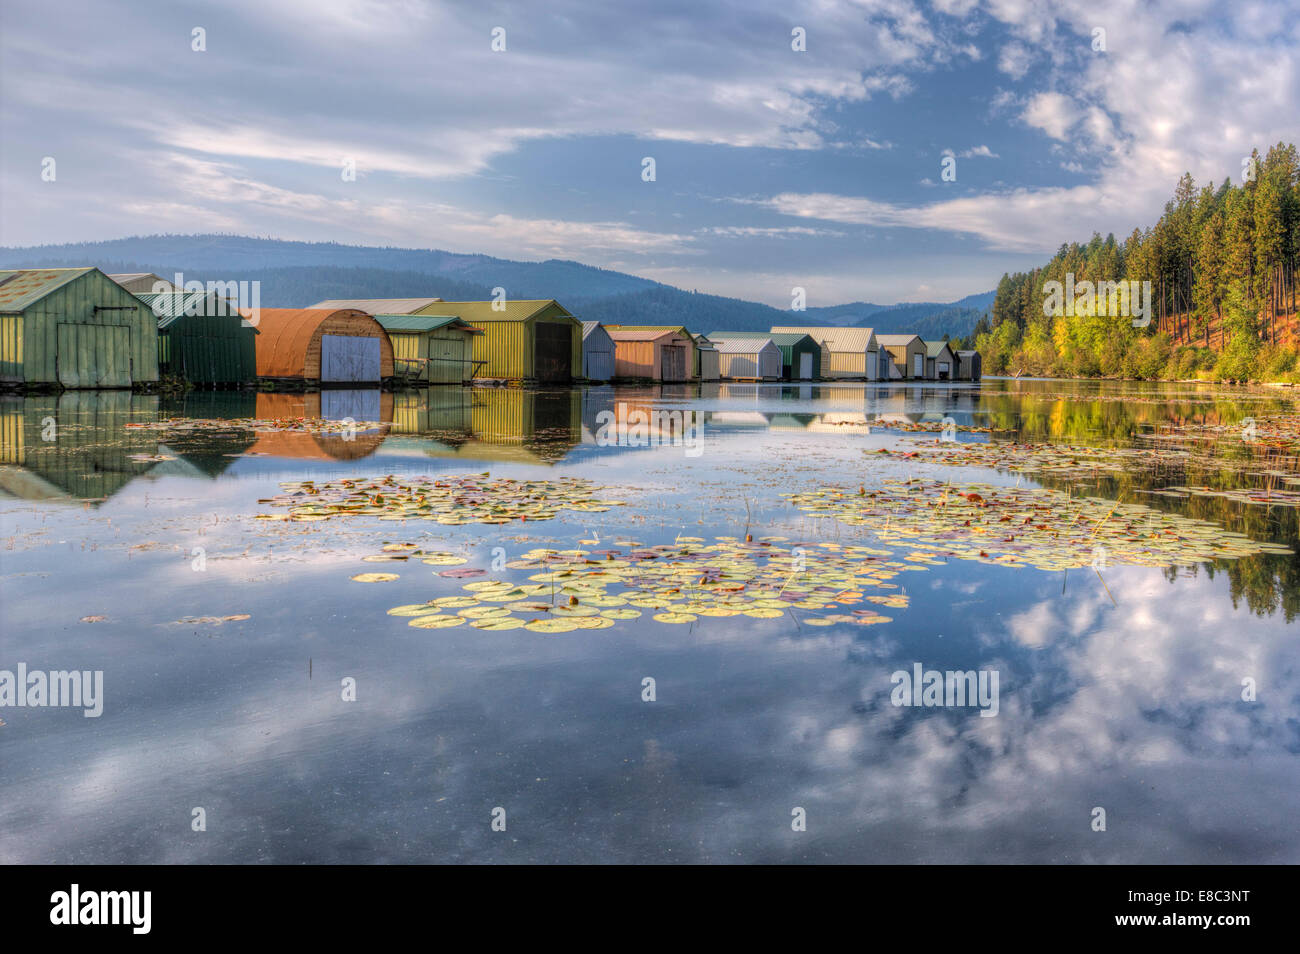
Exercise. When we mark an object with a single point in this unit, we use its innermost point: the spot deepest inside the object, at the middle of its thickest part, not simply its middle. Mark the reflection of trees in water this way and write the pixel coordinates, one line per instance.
(1266, 582)
(1077, 413)
(1116, 417)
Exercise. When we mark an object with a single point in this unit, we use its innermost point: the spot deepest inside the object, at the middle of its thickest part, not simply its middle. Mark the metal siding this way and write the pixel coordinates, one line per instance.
(597, 355)
(406, 345)
(808, 347)
(210, 349)
(11, 348)
(762, 362)
(506, 347)
(709, 365)
(448, 353)
(94, 356)
(634, 359)
(848, 364)
(74, 304)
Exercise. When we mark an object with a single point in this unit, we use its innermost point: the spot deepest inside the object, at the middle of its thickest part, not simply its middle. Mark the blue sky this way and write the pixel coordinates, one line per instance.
(774, 168)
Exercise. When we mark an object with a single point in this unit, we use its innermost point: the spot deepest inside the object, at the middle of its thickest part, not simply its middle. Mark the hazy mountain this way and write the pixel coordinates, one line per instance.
(296, 274)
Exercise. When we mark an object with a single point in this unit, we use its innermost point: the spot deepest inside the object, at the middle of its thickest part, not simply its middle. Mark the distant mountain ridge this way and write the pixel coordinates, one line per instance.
(297, 274)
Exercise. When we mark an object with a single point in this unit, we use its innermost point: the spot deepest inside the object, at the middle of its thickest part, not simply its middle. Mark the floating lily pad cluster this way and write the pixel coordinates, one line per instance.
(449, 499)
(1059, 460)
(1072, 462)
(932, 427)
(1021, 526)
(675, 583)
(302, 425)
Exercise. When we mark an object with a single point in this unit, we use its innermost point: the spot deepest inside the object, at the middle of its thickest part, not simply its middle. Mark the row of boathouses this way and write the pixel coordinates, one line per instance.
(80, 328)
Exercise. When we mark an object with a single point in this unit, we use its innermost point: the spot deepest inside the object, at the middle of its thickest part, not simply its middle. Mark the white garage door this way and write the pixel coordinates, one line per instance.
(918, 365)
(345, 358)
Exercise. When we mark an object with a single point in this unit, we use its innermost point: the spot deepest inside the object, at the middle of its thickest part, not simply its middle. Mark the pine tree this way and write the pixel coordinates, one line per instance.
(1209, 273)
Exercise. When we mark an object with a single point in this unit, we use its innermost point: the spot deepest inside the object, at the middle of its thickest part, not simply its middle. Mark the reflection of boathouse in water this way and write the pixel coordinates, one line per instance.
(76, 446)
(487, 424)
(365, 407)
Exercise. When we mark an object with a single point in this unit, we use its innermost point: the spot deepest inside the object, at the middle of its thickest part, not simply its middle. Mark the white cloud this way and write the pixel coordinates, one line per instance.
(1053, 113)
(1014, 60)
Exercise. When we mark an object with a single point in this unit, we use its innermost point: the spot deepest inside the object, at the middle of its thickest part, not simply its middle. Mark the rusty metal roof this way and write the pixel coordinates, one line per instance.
(286, 333)
(626, 333)
(22, 287)
(681, 329)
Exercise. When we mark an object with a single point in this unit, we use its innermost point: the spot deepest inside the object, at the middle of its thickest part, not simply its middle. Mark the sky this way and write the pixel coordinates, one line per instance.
(774, 167)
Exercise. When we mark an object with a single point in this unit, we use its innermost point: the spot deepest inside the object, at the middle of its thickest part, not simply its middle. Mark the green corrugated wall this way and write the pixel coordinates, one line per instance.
(210, 349)
(37, 351)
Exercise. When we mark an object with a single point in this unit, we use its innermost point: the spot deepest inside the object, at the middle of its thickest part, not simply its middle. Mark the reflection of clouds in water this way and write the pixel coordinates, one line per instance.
(1149, 722)
(1135, 709)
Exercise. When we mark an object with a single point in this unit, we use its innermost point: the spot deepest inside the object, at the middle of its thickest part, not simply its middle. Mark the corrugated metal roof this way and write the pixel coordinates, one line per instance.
(833, 338)
(681, 329)
(640, 334)
(966, 354)
(934, 348)
(777, 338)
(22, 287)
(141, 282)
(477, 312)
(893, 341)
(588, 327)
(421, 322)
(378, 306)
(168, 306)
(741, 345)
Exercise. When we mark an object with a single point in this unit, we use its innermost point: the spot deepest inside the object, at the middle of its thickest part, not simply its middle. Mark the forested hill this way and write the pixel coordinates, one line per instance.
(296, 274)
(1221, 262)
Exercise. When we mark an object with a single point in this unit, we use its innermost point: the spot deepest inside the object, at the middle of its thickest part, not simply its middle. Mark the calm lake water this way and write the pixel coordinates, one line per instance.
(1125, 695)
